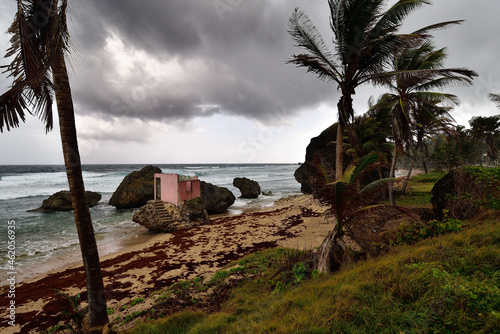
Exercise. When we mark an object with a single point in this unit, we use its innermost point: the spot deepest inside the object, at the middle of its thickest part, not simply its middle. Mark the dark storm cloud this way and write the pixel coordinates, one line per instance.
(193, 58)
(190, 58)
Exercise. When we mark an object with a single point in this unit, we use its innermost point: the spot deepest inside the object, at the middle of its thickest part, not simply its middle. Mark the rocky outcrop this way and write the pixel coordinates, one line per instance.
(247, 187)
(61, 201)
(320, 150)
(216, 199)
(136, 189)
(158, 216)
(462, 192)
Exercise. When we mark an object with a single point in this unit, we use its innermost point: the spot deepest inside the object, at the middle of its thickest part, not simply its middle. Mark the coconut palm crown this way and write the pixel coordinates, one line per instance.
(416, 100)
(364, 38)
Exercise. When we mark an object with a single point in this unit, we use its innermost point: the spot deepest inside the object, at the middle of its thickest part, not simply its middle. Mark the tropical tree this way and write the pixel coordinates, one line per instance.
(486, 128)
(39, 45)
(416, 107)
(364, 39)
(349, 201)
(454, 149)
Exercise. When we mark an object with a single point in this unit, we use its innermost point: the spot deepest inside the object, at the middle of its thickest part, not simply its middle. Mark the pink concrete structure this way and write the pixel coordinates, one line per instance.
(176, 189)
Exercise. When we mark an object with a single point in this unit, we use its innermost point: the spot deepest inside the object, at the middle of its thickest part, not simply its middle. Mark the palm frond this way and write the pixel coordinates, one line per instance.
(438, 26)
(375, 185)
(12, 106)
(495, 98)
(34, 37)
(306, 36)
(395, 15)
(362, 166)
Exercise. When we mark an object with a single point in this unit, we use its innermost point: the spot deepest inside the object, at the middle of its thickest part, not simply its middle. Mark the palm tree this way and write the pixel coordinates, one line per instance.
(349, 201)
(39, 45)
(364, 39)
(415, 106)
(486, 128)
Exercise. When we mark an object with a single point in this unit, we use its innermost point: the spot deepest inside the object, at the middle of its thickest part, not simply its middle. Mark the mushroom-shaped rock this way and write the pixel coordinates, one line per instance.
(136, 189)
(247, 187)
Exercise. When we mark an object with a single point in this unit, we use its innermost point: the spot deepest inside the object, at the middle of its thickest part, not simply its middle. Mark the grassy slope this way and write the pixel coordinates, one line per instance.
(445, 284)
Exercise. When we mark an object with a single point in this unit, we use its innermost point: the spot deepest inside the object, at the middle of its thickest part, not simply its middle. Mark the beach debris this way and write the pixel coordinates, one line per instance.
(136, 189)
(247, 187)
(61, 201)
(159, 216)
(216, 199)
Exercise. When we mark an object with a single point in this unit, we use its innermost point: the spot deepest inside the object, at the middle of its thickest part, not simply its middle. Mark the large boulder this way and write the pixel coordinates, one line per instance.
(164, 217)
(216, 199)
(61, 201)
(462, 192)
(247, 187)
(136, 189)
(320, 150)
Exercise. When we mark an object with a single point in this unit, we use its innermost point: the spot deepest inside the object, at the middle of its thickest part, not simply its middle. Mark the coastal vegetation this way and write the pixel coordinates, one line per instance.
(39, 46)
(434, 276)
(366, 40)
(427, 271)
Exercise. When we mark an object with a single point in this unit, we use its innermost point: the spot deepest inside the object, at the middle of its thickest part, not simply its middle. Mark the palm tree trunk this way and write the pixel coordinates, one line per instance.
(393, 174)
(424, 163)
(339, 154)
(408, 176)
(333, 253)
(95, 287)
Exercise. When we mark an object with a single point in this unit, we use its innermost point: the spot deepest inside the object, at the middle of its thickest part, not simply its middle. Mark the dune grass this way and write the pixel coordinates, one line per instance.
(447, 284)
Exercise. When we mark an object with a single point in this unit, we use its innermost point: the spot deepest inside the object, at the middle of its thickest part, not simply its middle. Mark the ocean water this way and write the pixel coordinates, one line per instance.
(43, 237)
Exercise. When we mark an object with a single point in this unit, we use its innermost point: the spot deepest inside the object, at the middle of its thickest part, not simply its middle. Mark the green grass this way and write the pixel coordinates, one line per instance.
(419, 192)
(447, 284)
(432, 177)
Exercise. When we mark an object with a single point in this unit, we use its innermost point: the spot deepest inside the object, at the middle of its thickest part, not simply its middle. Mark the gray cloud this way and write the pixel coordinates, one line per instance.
(191, 59)
(181, 59)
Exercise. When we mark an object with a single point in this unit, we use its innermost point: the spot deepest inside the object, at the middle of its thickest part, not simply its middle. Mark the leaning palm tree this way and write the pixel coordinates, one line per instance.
(39, 44)
(415, 105)
(364, 40)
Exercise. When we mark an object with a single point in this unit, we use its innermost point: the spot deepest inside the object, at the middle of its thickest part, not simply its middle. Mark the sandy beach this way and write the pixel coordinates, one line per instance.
(145, 266)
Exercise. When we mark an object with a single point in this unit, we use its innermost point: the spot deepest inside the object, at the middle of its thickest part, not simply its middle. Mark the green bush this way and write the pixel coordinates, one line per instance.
(408, 234)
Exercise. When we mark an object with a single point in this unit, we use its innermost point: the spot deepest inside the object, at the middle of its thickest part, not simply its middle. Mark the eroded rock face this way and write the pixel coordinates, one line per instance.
(136, 189)
(320, 150)
(247, 187)
(158, 216)
(61, 201)
(216, 199)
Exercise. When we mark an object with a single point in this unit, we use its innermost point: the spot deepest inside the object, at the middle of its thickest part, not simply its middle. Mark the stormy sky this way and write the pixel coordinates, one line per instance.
(206, 81)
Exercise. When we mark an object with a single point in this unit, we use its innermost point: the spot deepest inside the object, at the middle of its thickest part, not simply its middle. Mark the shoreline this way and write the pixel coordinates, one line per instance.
(143, 239)
(152, 265)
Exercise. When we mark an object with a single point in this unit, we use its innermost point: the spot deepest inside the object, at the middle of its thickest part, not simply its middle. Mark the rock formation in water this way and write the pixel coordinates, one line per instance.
(136, 189)
(61, 201)
(247, 187)
(216, 199)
